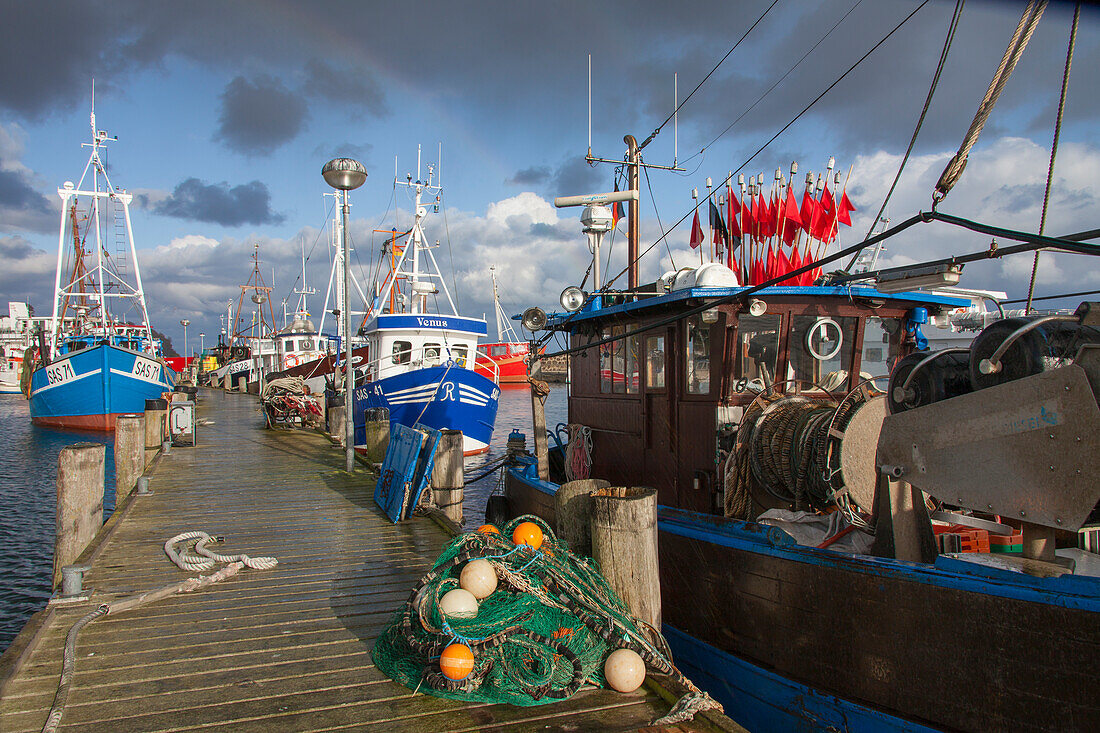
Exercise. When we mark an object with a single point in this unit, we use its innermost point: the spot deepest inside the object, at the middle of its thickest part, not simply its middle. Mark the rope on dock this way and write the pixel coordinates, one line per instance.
(203, 559)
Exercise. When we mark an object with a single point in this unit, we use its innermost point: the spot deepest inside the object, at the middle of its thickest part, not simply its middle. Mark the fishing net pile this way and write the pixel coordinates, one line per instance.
(545, 631)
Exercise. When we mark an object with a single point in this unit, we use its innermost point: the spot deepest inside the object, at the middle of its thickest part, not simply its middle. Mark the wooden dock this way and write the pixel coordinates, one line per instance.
(268, 650)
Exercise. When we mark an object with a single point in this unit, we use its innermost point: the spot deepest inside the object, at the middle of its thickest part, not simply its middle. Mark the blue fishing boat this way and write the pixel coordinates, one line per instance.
(420, 357)
(99, 358)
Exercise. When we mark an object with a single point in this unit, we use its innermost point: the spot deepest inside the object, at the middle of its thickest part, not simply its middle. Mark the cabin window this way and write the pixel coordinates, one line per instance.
(655, 362)
(499, 350)
(877, 356)
(605, 362)
(757, 350)
(820, 352)
(431, 354)
(630, 346)
(459, 354)
(402, 352)
(483, 349)
(698, 356)
(618, 362)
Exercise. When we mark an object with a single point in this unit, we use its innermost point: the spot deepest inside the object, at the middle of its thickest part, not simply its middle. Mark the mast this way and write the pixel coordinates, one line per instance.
(496, 303)
(634, 206)
(104, 280)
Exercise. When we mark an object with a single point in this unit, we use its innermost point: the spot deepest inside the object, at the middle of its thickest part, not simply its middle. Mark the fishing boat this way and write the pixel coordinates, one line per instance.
(854, 533)
(249, 349)
(16, 336)
(507, 356)
(314, 356)
(421, 358)
(99, 357)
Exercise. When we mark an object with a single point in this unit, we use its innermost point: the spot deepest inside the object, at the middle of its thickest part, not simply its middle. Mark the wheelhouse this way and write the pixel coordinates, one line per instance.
(664, 397)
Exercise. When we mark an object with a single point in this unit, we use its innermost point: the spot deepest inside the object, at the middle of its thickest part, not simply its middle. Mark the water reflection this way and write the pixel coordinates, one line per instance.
(28, 496)
(514, 413)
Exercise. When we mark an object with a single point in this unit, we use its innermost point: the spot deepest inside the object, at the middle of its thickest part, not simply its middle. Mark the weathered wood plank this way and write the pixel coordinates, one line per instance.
(281, 649)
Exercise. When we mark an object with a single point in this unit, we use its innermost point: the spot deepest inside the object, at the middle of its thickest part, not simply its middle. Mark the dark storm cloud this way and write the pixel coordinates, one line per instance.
(574, 177)
(15, 248)
(16, 193)
(533, 176)
(259, 116)
(355, 88)
(248, 203)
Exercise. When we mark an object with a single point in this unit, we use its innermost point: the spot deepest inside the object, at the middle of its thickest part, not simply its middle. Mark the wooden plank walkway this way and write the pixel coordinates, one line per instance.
(269, 650)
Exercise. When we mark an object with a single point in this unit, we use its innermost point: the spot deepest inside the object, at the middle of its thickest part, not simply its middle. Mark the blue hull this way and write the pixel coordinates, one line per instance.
(443, 398)
(89, 388)
(859, 643)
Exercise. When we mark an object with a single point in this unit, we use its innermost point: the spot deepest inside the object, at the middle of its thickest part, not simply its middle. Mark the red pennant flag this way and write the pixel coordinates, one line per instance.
(773, 217)
(733, 208)
(771, 269)
(809, 206)
(842, 214)
(793, 218)
(826, 213)
(717, 226)
(754, 219)
(793, 264)
(697, 236)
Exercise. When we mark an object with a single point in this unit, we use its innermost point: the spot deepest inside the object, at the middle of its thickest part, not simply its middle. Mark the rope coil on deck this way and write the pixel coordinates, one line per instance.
(195, 557)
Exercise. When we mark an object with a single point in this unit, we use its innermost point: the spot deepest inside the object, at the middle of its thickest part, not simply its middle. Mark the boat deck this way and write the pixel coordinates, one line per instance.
(268, 650)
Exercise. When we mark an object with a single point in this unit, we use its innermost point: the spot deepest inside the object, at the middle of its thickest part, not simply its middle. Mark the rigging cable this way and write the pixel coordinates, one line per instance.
(920, 121)
(657, 131)
(772, 139)
(1028, 21)
(1054, 149)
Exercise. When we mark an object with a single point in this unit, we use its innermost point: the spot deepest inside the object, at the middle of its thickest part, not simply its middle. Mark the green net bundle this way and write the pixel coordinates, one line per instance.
(543, 633)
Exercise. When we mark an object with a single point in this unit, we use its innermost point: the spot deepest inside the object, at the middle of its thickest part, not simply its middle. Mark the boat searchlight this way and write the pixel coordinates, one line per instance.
(934, 276)
(534, 319)
(572, 298)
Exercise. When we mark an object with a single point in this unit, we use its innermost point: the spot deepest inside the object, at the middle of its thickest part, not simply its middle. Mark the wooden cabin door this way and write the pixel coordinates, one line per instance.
(658, 425)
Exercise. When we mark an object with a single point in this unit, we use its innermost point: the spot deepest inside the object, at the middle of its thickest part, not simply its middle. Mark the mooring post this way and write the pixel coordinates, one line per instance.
(573, 509)
(539, 390)
(624, 544)
(377, 429)
(336, 423)
(448, 479)
(129, 453)
(156, 412)
(79, 501)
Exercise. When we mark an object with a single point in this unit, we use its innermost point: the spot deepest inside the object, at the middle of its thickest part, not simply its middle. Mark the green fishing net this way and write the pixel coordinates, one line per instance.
(543, 633)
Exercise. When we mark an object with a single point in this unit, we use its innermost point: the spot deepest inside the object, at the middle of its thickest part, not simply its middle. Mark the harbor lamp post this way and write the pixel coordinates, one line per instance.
(346, 174)
(185, 323)
(202, 350)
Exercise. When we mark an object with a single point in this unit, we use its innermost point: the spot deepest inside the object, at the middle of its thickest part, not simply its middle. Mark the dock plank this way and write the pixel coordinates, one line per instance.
(280, 649)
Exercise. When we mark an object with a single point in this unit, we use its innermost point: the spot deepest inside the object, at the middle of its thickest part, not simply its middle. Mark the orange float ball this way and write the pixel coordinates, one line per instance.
(527, 533)
(456, 662)
(488, 529)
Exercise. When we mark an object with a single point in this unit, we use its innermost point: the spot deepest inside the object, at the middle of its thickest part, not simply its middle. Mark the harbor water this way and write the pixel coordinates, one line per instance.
(514, 412)
(28, 479)
(28, 496)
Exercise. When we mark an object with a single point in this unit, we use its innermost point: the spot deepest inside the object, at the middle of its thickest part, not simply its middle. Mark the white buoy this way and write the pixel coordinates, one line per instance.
(624, 670)
(458, 603)
(479, 577)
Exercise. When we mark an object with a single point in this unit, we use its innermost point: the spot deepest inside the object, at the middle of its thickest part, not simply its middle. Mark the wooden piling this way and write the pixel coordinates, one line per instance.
(156, 415)
(448, 479)
(129, 453)
(377, 438)
(79, 501)
(539, 391)
(336, 423)
(624, 544)
(573, 510)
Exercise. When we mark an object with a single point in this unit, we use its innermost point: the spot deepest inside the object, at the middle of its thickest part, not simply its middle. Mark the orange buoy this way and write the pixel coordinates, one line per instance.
(456, 662)
(527, 533)
(488, 529)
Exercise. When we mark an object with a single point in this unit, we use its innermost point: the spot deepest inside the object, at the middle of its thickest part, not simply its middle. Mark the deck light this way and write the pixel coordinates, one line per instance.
(572, 298)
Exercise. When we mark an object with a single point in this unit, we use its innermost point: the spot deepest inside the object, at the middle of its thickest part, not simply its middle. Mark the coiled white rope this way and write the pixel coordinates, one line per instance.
(195, 557)
(578, 452)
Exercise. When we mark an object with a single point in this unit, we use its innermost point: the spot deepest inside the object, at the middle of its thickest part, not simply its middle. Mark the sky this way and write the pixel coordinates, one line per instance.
(225, 113)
